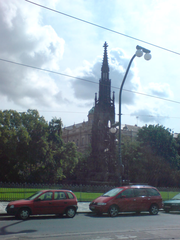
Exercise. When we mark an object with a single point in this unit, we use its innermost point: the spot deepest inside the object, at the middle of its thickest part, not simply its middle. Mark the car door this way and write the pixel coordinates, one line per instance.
(125, 200)
(60, 202)
(44, 203)
(141, 199)
(154, 197)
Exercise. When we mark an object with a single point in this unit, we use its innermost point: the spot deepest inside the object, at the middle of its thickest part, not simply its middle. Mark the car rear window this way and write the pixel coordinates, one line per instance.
(70, 195)
(152, 192)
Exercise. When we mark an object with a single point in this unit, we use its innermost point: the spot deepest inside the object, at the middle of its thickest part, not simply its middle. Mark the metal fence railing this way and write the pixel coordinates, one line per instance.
(16, 191)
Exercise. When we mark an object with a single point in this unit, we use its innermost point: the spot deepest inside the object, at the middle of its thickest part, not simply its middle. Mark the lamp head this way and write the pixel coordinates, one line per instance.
(147, 56)
(141, 50)
(139, 53)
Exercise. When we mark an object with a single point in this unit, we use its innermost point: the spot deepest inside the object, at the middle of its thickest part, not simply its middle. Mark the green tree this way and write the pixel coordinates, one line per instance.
(8, 145)
(144, 166)
(153, 158)
(161, 142)
(32, 150)
(68, 159)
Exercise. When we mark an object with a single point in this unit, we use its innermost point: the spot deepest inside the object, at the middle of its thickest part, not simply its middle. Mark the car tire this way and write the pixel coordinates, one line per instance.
(70, 212)
(154, 209)
(23, 213)
(113, 211)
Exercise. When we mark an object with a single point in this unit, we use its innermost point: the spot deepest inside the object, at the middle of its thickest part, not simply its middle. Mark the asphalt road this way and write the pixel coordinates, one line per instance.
(89, 226)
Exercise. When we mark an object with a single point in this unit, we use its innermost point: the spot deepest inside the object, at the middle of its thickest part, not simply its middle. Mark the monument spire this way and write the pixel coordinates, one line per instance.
(105, 66)
(105, 82)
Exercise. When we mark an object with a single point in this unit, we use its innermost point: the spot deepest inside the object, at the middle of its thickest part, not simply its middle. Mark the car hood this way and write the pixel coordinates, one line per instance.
(102, 199)
(172, 202)
(19, 202)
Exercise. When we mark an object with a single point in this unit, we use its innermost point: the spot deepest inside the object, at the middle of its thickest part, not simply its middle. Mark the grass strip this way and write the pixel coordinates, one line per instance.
(11, 194)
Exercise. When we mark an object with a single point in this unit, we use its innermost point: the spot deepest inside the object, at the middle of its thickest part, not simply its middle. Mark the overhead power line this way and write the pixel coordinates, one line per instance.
(105, 28)
(123, 114)
(150, 116)
(85, 80)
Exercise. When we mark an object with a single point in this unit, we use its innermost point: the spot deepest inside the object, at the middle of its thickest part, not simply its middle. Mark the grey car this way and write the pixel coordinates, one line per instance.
(172, 204)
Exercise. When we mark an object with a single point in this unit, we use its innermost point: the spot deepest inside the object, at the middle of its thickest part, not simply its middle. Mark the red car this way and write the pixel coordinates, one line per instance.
(45, 202)
(128, 199)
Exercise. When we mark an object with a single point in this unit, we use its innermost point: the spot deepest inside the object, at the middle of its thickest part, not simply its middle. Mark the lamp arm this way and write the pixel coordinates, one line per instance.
(120, 93)
(127, 70)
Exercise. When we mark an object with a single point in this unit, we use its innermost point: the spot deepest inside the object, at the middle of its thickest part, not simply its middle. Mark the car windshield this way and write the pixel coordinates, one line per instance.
(177, 197)
(112, 192)
(34, 196)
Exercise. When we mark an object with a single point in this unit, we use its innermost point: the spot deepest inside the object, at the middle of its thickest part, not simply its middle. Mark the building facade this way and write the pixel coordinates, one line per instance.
(80, 133)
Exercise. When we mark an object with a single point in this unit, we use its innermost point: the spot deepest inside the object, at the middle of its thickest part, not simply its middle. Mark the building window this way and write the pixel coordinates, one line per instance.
(77, 142)
(82, 141)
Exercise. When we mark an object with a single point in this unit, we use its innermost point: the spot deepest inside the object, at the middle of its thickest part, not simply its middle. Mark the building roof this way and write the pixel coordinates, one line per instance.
(91, 111)
(130, 127)
(78, 125)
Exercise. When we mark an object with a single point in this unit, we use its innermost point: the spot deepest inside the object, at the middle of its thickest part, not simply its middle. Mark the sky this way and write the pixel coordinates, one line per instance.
(52, 62)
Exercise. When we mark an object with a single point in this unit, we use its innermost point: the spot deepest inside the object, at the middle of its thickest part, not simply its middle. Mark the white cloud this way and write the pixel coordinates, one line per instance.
(147, 116)
(160, 89)
(118, 62)
(26, 41)
(36, 36)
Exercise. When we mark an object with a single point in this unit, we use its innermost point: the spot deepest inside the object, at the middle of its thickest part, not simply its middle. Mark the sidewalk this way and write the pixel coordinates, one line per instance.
(2, 207)
(83, 207)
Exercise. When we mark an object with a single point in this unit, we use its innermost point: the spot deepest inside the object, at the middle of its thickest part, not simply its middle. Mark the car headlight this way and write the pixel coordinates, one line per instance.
(12, 206)
(101, 204)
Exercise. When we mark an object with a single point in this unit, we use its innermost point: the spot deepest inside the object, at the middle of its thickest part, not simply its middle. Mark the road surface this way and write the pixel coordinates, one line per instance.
(90, 226)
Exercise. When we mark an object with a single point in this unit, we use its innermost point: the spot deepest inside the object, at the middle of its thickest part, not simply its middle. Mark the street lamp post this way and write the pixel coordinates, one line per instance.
(139, 52)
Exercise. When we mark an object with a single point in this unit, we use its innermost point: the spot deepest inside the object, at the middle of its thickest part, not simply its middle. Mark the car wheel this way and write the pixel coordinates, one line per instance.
(113, 211)
(24, 213)
(70, 212)
(154, 209)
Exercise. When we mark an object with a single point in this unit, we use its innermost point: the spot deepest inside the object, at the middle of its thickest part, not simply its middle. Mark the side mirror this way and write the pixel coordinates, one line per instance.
(124, 196)
(37, 200)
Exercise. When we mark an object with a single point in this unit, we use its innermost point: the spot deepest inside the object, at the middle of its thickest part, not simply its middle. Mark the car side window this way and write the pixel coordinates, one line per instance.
(46, 196)
(152, 192)
(59, 195)
(128, 193)
(140, 192)
(70, 196)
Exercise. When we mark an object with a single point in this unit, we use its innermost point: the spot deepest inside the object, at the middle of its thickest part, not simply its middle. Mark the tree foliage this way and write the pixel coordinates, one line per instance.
(32, 150)
(161, 142)
(153, 158)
